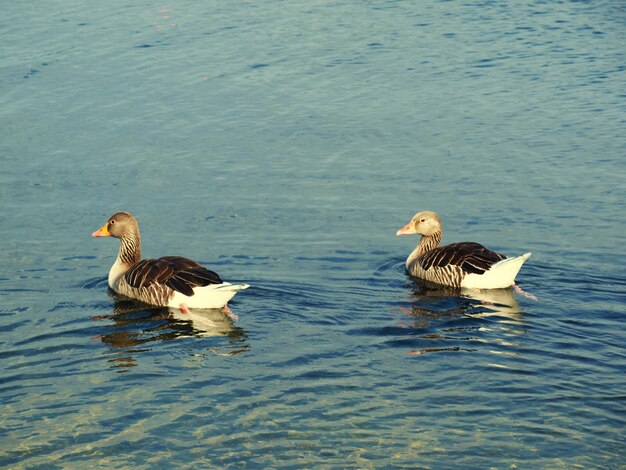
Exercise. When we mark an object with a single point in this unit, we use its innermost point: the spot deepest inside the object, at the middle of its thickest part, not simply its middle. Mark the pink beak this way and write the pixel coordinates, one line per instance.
(406, 230)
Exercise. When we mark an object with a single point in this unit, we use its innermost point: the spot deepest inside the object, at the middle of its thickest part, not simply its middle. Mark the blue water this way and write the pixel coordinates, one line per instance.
(283, 143)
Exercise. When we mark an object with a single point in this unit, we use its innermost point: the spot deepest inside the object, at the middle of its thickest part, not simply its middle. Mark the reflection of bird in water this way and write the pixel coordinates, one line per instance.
(135, 324)
(465, 300)
(443, 308)
(501, 302)
(208, 322)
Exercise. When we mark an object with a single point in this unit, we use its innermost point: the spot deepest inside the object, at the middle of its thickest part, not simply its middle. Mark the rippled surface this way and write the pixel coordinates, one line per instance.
(283, 144)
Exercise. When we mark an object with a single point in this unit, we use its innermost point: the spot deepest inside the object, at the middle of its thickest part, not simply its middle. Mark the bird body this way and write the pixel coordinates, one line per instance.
(170, 281)
(465, 264)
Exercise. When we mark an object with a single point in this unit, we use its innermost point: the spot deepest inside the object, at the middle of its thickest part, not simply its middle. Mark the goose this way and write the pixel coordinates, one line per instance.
(170, 281)
(465, 265)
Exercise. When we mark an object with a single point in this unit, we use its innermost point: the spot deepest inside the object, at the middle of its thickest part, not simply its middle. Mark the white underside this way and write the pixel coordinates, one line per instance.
(501, 275)
(211, 296)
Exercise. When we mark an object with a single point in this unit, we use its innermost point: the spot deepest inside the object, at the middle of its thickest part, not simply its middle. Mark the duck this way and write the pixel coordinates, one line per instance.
(169, 281)
(463, 265)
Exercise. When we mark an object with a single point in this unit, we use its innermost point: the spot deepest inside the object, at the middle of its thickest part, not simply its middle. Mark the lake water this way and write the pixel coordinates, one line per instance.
(283, 143)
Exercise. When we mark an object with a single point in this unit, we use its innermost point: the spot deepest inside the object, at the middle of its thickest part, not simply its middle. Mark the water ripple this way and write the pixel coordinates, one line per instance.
(283, 142)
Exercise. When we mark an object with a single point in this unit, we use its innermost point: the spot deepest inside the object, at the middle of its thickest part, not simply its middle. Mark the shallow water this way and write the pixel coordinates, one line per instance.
(283, 144)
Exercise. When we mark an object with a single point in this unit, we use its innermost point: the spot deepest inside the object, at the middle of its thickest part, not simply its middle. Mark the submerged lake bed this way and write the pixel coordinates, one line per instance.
(283, 145)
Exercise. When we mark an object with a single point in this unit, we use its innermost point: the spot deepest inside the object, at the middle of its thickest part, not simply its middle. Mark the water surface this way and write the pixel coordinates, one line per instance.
(283, 144)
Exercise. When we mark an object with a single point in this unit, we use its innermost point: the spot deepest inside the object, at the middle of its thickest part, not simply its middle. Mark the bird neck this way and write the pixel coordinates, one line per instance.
(130, 249)
(426, 244)
(429, 242)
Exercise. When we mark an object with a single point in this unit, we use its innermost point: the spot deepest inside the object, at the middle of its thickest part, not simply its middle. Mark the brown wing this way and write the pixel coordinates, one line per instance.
(180, 274)
(469, 256)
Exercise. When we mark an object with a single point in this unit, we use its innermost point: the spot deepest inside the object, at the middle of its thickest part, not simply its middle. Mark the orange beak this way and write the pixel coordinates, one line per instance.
(102, 232)
(406, 230)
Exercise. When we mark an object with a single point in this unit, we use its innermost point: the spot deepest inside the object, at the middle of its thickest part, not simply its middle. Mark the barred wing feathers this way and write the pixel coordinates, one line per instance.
(471, 257)
(178, 273)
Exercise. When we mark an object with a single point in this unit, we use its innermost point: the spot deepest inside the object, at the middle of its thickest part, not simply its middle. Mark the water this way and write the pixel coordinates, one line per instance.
(283, 144)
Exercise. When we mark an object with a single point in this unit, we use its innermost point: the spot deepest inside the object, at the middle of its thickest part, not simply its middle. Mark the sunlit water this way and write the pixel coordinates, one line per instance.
(283, 144)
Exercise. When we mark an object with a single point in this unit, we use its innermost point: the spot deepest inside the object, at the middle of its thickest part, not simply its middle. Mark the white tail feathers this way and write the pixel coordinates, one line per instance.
(211, 296)
(500, 275)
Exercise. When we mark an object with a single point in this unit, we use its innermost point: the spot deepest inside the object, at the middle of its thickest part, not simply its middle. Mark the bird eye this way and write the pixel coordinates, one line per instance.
(112, 222)
(422, 220)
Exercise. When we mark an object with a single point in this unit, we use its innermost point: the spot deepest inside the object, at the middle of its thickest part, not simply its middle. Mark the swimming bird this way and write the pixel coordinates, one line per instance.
(170, 281)
(465, 264)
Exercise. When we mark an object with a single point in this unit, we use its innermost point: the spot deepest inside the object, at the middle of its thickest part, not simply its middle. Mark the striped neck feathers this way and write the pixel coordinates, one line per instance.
(426, 244)
(130, 248)
(430, 242)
